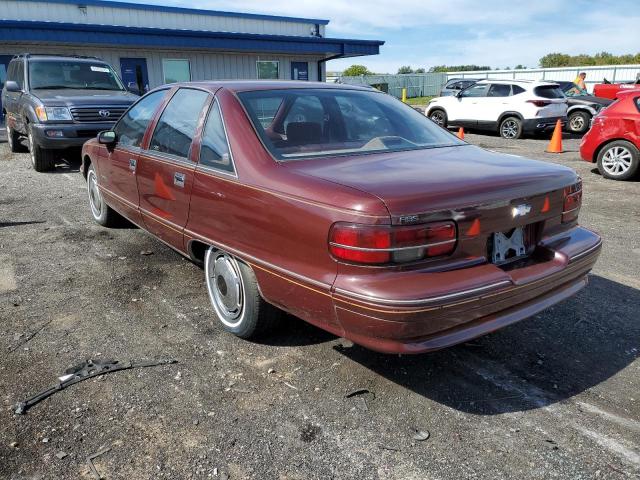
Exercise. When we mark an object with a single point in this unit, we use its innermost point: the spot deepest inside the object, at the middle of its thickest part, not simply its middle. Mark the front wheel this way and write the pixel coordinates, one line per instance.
(579, 122)
(619, 160)
(41, 159)
(235, 297)
(511, 128)
(102, 213)
(439, 117)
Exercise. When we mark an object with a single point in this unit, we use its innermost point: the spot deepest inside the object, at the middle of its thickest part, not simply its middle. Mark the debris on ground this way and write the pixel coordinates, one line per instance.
(421, 435)
(146, 252)
(92, 467)
(83, 371)
(61, 455)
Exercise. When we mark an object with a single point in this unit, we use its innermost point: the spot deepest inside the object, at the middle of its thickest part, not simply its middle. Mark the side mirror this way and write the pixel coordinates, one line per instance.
(108, 137)
(12, 86)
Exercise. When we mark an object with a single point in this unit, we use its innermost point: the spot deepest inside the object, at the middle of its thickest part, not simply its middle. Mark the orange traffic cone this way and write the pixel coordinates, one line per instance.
(555, 145)
(461, 133)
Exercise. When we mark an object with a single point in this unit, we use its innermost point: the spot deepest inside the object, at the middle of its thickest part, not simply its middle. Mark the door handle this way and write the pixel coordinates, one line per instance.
(132, 165)
(178, 179)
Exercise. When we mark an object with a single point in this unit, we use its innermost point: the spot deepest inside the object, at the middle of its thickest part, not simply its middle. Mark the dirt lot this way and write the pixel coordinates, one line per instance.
(556, 396)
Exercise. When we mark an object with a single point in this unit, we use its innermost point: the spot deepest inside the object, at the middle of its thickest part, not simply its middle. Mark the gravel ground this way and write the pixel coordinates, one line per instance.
(556, 396)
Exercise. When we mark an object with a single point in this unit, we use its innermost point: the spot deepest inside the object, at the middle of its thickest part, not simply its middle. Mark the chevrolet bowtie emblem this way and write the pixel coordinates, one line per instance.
(520, 210)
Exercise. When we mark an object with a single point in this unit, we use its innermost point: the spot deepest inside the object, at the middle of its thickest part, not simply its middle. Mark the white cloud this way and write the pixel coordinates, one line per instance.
(489, 32)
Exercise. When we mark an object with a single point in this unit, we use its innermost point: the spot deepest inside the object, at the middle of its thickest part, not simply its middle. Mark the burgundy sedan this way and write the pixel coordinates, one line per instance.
(344, 207)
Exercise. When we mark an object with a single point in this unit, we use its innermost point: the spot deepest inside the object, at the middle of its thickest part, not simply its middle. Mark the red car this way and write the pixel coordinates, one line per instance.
(614, 138)
(610, 90)
(344, 207)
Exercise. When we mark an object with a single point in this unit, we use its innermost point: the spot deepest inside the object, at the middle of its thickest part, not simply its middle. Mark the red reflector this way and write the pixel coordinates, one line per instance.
(373, 244)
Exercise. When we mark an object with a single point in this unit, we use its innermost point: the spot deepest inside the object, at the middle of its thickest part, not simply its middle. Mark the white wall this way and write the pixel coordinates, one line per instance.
(204, 65)
(56, 12)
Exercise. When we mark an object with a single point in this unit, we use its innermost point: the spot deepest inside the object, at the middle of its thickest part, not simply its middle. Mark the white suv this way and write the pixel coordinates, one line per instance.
(510, 107)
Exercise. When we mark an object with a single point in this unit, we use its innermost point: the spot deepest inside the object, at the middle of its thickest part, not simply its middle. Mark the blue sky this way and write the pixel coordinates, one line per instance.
(423, 33)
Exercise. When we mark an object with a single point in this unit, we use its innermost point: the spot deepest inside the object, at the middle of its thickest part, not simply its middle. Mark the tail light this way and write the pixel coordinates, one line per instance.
(384, 244)
(572, 202)
(540, 103)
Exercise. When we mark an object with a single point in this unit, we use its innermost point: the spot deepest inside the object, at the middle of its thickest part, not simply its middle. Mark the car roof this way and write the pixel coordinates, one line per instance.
(253, 85)
(54, 58)
(521, 82)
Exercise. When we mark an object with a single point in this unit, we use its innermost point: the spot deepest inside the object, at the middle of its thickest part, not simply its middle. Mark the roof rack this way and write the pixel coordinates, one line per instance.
(29, 55)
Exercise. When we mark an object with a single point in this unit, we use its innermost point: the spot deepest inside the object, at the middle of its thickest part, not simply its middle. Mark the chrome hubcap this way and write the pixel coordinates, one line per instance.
(577, 123)
(617, 160)
(225, 286)
(95, 198)
(510, 129)
(438, 118)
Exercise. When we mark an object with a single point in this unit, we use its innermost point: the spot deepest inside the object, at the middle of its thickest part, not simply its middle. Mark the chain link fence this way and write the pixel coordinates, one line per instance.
(417, 85)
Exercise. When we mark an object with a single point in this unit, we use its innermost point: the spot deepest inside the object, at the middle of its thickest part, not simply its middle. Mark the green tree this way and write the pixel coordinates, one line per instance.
(356, 71)
(583, 59)
(519, 67)
(404, 70)
(458, 68)
(420, 70)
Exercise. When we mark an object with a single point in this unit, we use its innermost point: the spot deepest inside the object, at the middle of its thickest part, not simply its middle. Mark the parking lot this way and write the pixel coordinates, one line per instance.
(556, 396)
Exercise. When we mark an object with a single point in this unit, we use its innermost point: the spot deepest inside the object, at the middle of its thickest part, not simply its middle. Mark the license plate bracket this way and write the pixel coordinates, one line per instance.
(508, 246)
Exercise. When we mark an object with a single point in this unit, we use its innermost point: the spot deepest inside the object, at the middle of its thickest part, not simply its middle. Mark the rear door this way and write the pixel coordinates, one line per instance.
(496, 103)
(165, 169)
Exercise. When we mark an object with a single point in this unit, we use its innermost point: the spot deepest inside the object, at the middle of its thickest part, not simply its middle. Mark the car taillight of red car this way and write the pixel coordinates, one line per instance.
(384, 244)
(572, 202)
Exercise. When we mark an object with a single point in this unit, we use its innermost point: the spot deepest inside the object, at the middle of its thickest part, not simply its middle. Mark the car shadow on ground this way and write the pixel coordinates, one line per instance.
(556, 355)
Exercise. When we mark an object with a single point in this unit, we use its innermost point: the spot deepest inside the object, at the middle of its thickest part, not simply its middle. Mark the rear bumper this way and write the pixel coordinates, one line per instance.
(66, 135)
(538, 125)
(433, 322)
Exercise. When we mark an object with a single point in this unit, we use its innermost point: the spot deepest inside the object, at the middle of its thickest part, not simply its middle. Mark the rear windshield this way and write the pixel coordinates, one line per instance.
(73, 75)
(299, 123)
(549, 91)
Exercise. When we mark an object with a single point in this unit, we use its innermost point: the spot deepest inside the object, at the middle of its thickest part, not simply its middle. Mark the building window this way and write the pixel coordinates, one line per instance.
(268, 70)
(176, 71)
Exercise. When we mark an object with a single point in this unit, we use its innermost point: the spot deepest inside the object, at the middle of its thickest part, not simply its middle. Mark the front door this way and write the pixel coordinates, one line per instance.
(4, 64)
(135, 75)
(117, 175)
(468, 107)
(299, 71)
(165, 170)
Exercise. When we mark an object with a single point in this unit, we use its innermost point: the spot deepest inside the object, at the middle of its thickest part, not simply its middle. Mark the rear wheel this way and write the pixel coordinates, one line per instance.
(619, 160)
(233, 291)
(13, 139)
(511, 128)
(102, 213)
(41, 159)
(439, 117)
(578, 122)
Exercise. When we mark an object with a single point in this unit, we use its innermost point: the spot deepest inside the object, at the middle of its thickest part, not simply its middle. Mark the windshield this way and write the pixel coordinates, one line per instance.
(299, 123)
(73, 75)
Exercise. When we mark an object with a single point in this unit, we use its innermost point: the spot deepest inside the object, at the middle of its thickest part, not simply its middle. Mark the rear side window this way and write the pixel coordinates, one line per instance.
(177, 125)
(548, 91)
(517, 89)
(499, 90)
(131, 127)
(214, 151)
(638, 103)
